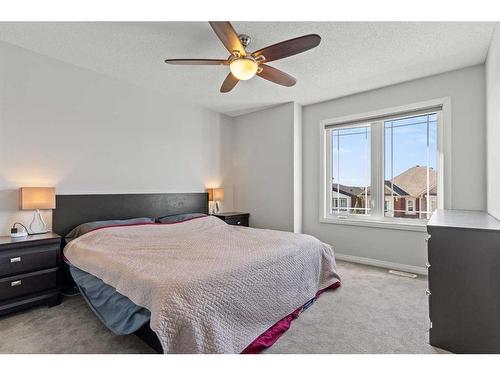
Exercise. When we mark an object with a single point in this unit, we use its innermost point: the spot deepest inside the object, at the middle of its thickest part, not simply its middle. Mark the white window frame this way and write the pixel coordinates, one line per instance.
(413, 202)
(328, 145)
(343, 206)
(339, 206)
(377, 218)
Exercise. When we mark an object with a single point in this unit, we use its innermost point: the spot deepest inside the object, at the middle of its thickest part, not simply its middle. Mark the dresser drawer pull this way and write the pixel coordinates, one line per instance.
(239, 223)
(16, 283)
(428, 292)
(427, 265)
(15, 260)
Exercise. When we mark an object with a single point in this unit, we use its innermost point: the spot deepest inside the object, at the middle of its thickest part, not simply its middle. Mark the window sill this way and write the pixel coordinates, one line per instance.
(386, 223)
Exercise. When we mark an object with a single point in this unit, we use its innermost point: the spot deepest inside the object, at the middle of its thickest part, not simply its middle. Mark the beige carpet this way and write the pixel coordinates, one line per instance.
(373, 312)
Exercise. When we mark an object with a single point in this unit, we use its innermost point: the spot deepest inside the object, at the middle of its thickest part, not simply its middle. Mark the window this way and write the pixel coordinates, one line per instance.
(349, 161)
(387, 168)
(410, 155)
(388, 204)
(343, 204)
(410, 206)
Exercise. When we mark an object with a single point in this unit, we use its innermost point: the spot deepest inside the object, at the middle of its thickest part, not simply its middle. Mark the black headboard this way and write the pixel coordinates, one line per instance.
(73, 210)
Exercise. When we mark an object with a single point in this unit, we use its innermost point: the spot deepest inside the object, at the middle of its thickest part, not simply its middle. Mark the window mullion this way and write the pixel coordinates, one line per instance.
(377, 175)
(328, 171)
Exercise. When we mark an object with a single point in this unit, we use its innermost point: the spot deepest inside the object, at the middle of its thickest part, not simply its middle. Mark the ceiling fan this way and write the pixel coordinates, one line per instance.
(244, 65)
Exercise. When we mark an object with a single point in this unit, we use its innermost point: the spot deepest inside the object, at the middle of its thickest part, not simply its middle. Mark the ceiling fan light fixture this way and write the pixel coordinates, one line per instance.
(243, 68)
(244, 65)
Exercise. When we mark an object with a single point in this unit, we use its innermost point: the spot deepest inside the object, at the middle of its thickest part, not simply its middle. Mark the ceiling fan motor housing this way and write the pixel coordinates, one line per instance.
(244, 39)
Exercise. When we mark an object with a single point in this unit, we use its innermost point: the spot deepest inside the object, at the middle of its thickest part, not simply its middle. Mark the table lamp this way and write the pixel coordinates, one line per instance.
(215, 195)
(37, 198)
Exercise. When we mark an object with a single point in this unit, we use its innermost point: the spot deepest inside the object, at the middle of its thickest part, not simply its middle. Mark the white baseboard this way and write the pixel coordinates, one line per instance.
(382, 264)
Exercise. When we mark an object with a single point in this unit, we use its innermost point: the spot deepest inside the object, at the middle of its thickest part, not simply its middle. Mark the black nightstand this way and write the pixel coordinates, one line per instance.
(28, 271)
(234, 218)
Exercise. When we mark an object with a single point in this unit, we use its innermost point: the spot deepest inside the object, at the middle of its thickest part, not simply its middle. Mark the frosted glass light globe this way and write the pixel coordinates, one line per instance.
(243, 68)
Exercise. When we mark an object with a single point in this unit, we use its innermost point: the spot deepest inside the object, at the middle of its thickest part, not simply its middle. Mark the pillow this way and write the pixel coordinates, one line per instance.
(171, 219)
(88, 227)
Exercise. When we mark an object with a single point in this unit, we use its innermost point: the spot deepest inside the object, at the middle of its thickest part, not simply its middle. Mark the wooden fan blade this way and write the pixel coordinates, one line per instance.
(229, 83)
(276, 76)
(288, 47)
(196, 62)
(228, 37)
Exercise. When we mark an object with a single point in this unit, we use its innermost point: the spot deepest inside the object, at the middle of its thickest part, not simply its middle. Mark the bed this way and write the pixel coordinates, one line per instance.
(195, 286)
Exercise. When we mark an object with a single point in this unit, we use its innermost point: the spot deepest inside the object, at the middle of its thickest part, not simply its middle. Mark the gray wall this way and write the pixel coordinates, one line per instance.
(493, 127)
(84, 132)
(466, 87)
(297, 170)
(263, 166)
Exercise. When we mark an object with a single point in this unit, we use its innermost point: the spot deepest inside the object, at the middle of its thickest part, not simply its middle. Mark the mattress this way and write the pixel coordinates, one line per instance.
(117, 312)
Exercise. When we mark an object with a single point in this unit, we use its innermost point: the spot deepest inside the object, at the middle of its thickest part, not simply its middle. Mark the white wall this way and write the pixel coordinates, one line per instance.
(493, 123)
(466, 88)
(263, 166)
(297, 170)
(82, 132)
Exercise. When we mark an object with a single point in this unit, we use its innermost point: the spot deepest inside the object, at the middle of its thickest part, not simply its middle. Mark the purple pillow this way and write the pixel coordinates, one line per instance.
(171, 219)
(88, 227)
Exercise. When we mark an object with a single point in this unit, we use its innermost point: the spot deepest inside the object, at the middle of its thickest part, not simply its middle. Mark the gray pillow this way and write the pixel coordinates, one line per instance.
(88, 227)
(171, 219)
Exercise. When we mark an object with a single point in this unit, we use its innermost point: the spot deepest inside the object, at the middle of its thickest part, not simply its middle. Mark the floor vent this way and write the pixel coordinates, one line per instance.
(403, 274)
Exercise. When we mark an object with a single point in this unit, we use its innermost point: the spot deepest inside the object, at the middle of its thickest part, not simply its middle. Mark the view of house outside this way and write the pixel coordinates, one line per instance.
(410, 174)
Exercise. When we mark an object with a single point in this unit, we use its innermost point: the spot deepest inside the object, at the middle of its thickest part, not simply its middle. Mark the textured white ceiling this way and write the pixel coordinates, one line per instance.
(352, 57)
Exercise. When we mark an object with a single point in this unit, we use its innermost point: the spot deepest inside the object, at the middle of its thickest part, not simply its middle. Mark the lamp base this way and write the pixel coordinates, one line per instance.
(215, 207)
(46, 231)
(38, 226)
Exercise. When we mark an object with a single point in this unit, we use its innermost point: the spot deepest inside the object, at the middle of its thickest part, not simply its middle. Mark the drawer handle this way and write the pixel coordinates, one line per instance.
(427, 238)
(15, 260)
(428, 292)
(16, 283)
(427, 265)
(239, 223)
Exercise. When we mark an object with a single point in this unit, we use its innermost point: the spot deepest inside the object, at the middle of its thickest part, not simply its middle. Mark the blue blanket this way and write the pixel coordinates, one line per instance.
(116, 311)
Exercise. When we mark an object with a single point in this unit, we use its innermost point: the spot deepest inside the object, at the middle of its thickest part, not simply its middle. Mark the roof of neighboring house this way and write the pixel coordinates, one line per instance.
(388, 186)
(352, 191)
(414, 180)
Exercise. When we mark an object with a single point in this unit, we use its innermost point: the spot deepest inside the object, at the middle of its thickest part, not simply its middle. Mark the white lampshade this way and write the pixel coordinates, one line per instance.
(215, 194)
(37, 198)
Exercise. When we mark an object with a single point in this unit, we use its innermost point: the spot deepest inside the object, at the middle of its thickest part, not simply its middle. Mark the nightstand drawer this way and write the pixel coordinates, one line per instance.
(237, 220)
(234, 218)
(24, 260)
(19, 285)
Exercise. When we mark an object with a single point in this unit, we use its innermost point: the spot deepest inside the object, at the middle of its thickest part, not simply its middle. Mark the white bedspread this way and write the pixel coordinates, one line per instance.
(210, 287)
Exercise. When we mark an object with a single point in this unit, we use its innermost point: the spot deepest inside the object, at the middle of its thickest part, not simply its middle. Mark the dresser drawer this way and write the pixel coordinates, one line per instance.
(24, 260)
(19, 285)
(237, 220)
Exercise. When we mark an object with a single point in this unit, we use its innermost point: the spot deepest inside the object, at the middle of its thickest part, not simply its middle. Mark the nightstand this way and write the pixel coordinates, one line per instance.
(234, 218)
(28, 271)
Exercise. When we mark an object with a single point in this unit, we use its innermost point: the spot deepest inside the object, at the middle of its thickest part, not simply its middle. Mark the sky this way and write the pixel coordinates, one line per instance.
(406, 138)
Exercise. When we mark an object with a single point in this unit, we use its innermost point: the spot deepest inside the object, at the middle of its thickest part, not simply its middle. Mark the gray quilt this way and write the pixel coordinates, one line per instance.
(210, 287)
